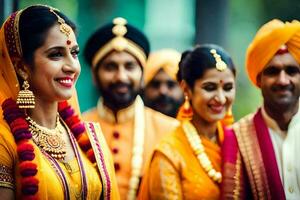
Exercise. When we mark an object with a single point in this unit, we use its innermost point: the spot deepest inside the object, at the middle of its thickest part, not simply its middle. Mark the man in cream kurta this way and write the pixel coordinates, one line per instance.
(269, 140)
(117, 54)
(286, 145)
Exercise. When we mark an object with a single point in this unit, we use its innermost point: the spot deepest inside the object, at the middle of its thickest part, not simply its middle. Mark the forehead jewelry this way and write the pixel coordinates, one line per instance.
(220, 64)
(63, 26)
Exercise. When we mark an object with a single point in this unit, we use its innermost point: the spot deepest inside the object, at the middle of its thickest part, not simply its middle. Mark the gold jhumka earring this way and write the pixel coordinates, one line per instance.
(25, 97)
(185, 111)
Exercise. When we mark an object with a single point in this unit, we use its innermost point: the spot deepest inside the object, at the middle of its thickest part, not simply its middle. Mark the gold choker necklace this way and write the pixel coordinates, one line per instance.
(50, 140)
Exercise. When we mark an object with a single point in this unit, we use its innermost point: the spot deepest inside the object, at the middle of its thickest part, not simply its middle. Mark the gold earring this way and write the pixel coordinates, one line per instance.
(185, 111)
(228, 119)
(25, 97)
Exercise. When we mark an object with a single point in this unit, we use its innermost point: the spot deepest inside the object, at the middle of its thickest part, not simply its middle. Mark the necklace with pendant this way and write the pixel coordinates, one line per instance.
(49, 140)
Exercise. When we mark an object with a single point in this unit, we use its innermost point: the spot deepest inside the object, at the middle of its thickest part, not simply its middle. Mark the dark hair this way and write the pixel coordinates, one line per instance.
(35, 21)
(195, 62)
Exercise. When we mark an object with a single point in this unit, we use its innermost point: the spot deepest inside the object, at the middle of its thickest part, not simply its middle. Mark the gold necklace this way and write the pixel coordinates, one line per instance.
(50, 140)
(198, 148)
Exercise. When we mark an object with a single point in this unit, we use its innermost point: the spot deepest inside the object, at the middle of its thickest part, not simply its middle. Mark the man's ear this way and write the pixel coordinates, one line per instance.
(258, 80)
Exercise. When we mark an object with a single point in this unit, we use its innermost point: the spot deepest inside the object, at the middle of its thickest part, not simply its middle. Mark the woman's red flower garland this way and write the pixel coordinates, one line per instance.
(15, 117)
(77, 128)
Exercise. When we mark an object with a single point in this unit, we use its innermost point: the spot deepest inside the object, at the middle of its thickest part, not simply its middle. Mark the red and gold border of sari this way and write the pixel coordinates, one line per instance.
(94, 133)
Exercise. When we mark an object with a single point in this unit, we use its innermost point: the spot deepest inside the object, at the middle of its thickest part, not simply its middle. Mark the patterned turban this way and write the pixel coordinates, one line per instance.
(267, 41)
(166, 59)
(119, 36)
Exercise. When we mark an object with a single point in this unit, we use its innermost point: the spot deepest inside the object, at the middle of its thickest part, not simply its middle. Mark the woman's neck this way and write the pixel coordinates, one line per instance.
(208, 129)
(44, 113)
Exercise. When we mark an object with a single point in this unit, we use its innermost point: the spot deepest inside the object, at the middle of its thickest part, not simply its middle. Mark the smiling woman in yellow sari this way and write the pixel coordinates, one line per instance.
(46, 152)
(187, 163)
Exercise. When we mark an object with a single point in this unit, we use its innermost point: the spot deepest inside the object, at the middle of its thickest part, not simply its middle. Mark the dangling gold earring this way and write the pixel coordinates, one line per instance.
(185, 111)
(228, 118)
(25, 97)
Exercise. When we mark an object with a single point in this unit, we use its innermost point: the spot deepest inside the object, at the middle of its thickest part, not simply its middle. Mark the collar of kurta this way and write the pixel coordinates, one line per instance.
(271, 123)
(123, 115)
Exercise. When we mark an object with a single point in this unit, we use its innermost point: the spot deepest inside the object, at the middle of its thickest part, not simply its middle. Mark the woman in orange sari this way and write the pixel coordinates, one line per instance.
(46, 152)
(187, 163)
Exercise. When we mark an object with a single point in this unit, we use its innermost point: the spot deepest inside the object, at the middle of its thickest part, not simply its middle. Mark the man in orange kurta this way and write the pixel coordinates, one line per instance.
(117, 54)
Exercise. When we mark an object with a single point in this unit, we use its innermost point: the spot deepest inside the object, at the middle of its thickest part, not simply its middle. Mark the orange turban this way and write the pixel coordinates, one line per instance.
(267, 41)
(166, 59)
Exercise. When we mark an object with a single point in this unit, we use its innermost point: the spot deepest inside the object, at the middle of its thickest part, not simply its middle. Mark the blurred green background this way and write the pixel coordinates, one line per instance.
(178, 24)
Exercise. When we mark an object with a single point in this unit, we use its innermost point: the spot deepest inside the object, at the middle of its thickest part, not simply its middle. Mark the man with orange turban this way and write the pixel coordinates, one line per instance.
(260, 153)
(162, 91)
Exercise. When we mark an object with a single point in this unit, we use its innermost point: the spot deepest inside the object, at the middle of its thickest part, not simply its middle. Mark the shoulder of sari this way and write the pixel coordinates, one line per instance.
(8, 157)
(172, 145)
(103, 160)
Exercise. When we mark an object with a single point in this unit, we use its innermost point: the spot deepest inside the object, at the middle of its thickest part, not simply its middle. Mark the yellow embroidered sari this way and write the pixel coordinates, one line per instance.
(175, 172)
(55, 178)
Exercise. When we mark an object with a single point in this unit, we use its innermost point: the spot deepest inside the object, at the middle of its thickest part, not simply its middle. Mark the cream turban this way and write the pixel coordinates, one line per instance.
(166, 59)
(267, 41)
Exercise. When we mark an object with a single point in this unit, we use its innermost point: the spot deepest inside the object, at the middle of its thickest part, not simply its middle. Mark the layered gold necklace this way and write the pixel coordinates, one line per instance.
(198, 148)
(49, 140)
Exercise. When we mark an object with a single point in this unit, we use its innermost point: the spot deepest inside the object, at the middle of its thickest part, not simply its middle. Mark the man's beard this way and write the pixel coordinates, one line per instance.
(164, 104)
(117, 101)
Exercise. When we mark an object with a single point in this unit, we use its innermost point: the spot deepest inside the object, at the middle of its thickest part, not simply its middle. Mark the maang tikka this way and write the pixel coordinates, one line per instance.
(220, 64)
(63, 26)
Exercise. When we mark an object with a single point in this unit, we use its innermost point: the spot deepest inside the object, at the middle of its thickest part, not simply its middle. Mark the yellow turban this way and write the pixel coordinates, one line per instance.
(166, 59)
(267, 41)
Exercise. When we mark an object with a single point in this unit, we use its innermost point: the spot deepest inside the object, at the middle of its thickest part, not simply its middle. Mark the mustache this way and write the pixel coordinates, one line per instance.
(164, 99)
(120, 84)
(289, 87)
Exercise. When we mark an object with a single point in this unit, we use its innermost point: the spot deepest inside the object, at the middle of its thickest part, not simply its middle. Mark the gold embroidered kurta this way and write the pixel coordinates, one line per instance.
(119, 134)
